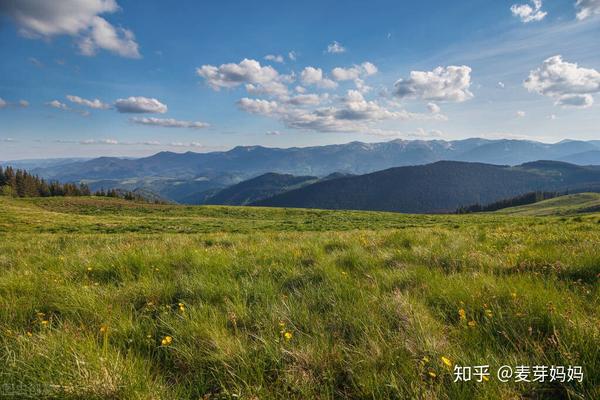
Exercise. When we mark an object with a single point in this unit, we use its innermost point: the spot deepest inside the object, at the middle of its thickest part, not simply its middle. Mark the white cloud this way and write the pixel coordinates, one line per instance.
(567, 83)
(292, 55)
(258, 106)
(307, 99)
(272, 133)
(258, 79)
(95, 104)
(529, 13)
(58, 105)
(62, 106)
(100, 141)
(139, 105)
(23, 103)
(576, 100)
(169, 123)
(353, 114)
(76, 18)
(3, 103)
(433, 108)
(521, 114)
(354, 72)
(442, 84)
(501, 85)
(335, 48)
(275, 58)
(361, 86)
(587, 8)
(314, 76)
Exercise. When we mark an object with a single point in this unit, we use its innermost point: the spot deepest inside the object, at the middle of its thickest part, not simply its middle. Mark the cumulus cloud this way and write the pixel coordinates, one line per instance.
(433, 108)
(587, 8)
(20, 103)
(529, 13)
(274, 57)
(450, 83)
(314, 76)
(310, 99)
(257, 78)
(169, 123)
(354, 113)
(258, 106)
(272, 133)
(95, 104)
(501, 85)
(335, 48)
(292, 55)
(521, 114)
(354, 72)
(77, 18)
(62, 106)
(140, 105)
(58, 105)
(567, 83)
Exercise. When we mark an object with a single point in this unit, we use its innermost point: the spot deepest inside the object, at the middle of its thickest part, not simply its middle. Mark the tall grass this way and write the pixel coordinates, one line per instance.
(163, 302)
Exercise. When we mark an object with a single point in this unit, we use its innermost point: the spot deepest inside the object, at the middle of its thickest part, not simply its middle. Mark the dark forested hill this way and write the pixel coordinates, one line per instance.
(439, 187)
(259, 188)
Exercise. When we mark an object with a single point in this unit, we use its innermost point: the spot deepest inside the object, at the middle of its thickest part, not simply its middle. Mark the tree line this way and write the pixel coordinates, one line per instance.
(521, 200)
(20, 183)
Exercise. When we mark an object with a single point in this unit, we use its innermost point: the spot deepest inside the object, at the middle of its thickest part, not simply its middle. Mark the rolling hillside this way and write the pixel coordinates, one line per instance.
(440, 187)
(580, 203)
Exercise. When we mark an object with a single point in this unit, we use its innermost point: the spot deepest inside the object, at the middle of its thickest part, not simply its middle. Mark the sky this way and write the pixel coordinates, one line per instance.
(85, 78)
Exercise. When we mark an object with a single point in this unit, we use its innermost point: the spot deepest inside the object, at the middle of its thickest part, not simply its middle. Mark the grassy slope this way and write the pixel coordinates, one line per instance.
(564, 205)
(90, 287)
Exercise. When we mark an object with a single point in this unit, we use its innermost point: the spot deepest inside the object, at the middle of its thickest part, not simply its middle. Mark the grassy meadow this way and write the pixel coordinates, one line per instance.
(108, 299)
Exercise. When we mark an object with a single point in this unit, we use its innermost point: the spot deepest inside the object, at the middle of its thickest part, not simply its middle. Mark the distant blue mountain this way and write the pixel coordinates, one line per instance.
(192, 177)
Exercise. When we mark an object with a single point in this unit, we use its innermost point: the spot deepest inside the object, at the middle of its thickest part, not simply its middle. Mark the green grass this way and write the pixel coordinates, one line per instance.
(564, 205)
(89, 288)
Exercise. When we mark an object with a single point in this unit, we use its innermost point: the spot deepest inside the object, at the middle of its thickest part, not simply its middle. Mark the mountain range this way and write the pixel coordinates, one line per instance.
(195, 178)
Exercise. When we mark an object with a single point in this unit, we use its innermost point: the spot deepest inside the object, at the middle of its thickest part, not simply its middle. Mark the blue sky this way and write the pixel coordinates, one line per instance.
(172, 75)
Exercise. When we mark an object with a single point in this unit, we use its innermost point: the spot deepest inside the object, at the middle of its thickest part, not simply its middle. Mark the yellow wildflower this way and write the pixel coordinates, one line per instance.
(287, 335)
(425, 359)
(447, 362)
(181, 307)
(167, 340)
(103, 329)
(472, 323)
(432, 374)
(462, 314)
(489, 313)
(89, 268)
(45, 322)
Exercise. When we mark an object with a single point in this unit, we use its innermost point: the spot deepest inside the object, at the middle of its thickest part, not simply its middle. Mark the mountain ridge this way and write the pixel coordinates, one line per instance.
(440, 187)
